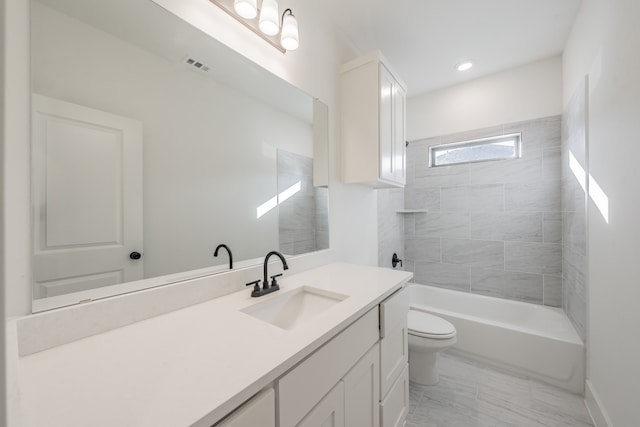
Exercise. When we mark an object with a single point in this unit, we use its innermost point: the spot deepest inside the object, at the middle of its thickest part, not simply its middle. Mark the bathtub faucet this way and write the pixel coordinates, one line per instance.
(395, 261)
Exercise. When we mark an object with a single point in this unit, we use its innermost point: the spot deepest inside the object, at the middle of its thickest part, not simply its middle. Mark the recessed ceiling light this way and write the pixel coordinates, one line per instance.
(464, 66)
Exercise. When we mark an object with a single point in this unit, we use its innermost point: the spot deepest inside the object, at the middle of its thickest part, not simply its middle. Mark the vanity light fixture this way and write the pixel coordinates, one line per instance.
(280, 31)
(248, 9)
(464, 66)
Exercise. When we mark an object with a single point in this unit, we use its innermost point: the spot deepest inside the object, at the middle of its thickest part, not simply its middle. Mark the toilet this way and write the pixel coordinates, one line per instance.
(428, 335)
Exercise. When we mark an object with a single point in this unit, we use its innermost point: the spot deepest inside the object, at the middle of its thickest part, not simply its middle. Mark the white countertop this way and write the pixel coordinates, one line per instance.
(191, 366)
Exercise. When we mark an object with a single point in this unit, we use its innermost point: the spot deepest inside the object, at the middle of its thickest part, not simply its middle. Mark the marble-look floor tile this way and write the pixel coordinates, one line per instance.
(471, 394)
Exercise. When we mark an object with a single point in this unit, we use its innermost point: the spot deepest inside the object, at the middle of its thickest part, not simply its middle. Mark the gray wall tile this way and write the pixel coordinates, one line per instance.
(478, 209)
(526, 227)
(552, 227)
(526, 169)
(505, 284)
(424, 176)
(543, 196)
(450, 276)
(455, 199)
(474, 253)
(574, 232)
(422, 198)
(538, 133)
(454, 225)
(552, 291)
(390, 225)
(422, 248)
(538, 258)
(486, 198)
(573, 211)
(551, 159)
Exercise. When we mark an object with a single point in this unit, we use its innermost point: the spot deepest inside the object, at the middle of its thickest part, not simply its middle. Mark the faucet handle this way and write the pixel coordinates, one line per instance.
(256, 286)
(274, 282)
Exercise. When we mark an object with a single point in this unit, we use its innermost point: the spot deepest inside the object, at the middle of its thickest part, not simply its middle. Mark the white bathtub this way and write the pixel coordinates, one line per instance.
(534, 340)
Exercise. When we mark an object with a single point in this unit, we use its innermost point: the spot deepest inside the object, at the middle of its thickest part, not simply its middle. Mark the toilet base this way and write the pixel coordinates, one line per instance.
(423, 368)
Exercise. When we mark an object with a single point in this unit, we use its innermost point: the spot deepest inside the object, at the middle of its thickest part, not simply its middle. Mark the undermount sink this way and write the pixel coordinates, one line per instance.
(290, 309)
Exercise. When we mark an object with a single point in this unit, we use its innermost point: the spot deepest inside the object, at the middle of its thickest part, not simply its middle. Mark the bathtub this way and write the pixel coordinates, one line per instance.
(530, 339)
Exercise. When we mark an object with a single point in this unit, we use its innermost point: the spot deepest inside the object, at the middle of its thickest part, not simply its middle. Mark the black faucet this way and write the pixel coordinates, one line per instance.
(228, 251)
(265, 284)
(266, 288)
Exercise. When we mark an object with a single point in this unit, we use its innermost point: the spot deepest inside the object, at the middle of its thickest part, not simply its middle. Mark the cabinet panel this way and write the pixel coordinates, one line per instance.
(395, 407)
(373, 123)
(259, 411)
(362, 391)
(386, 125)
(304, 386)
(393, 311)
(329, 412)
(399, 138)
(394, 355)
(394, 345)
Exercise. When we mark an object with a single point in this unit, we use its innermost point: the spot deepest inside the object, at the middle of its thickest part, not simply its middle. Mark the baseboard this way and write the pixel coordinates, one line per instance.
(594, 406)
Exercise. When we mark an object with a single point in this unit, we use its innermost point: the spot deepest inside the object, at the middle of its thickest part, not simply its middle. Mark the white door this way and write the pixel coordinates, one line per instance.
(87, 197)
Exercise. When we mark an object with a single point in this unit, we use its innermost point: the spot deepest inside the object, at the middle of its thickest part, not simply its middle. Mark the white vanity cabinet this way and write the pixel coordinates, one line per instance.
(394, 359)
(358, 379)
(329, 412)
(373, 102)
(362, 391)
(260, 410)
(302, 388)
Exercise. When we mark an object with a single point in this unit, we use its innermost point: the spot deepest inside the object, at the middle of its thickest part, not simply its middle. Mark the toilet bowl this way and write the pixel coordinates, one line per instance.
(428, 335)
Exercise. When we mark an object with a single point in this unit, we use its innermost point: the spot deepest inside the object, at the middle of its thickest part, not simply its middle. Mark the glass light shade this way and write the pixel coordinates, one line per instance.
(269, 17)
(248, 9)
(289, 38)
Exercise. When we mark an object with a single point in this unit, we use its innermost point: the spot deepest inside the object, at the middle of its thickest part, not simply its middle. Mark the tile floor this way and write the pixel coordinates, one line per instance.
(471, 394)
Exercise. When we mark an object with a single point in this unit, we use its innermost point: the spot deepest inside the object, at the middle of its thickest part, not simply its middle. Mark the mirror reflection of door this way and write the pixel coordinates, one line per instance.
(87, 192)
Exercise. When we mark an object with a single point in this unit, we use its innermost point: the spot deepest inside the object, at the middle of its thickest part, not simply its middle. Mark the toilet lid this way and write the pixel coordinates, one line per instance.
(429, 326)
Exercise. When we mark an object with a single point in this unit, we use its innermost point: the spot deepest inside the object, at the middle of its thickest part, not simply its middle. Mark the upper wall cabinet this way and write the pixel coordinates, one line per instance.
(373, 123)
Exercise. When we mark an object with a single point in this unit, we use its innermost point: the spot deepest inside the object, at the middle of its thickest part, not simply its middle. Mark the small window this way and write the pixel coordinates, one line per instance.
(476, 150)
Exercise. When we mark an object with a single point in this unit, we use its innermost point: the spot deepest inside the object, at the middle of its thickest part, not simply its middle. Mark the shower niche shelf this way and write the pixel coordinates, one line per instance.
(411, 211)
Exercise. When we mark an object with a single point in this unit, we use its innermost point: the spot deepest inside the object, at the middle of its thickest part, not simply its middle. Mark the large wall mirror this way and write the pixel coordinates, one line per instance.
(153, 144)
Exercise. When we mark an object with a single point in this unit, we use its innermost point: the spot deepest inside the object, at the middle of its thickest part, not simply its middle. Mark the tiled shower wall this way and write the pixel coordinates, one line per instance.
(574, 247)
(390, 226)
(304, 217)
(492, 228)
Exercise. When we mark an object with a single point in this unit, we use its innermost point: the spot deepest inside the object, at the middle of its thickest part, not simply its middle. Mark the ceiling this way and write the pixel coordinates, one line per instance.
(425, 39)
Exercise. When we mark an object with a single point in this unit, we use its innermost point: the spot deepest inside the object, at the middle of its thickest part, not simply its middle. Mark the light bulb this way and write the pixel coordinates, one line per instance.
(289, 38)
(269, 17)
(248, 9)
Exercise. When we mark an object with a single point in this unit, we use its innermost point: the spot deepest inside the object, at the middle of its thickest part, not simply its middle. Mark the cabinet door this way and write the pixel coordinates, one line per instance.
(395, 407)
(399, 136)
(394, 345)
(259, 411)
(362, 391)
(329, 412)
(386, 125)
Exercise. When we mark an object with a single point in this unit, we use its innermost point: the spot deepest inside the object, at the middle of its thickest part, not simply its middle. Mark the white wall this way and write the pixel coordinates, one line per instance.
(604, 44)
(528, 92)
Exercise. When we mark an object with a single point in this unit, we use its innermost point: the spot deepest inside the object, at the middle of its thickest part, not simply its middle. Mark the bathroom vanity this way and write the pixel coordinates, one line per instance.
(330, 346)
